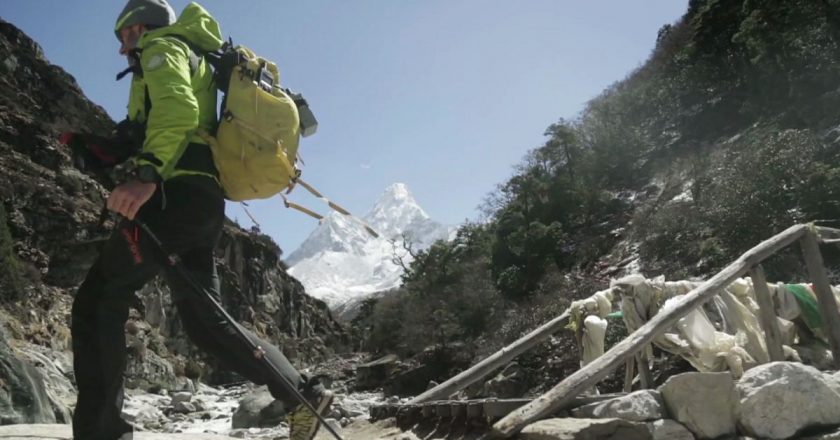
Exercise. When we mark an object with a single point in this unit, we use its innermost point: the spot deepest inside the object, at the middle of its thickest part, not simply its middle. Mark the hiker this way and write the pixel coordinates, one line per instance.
(174, 191)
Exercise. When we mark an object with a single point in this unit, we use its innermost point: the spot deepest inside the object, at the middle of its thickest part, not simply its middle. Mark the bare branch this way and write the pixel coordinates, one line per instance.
(401, 250)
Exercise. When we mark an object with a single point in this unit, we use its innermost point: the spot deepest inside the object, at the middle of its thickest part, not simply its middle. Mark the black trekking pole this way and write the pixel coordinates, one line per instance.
(258, 351)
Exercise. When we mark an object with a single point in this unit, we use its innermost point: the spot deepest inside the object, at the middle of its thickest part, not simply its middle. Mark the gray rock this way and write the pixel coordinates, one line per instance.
(183, 407)
(780, 399)
(155, 310)
(23, 397)
(334, 413)
(140, 413)
(149, 372)
(207, 389)
(185, 384)
(349, 412)
(706, 403)
(589, 429)
(11, 63)
(257, 410)
(181, 396)
(668, 429)
(55, 367)
(639, 406)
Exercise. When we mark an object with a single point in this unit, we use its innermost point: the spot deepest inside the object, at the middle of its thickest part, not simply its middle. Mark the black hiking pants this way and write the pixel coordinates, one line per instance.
(188, 220)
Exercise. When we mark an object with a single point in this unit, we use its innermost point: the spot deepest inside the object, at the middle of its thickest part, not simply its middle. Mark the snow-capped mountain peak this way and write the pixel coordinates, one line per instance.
(336, 233)
(339, 261)
(395, 210)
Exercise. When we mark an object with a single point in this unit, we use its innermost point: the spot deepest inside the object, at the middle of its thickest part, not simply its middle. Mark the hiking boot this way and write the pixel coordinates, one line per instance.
(303, 425)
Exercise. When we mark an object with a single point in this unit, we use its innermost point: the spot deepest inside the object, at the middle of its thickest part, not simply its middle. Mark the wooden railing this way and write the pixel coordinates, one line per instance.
(627, 350)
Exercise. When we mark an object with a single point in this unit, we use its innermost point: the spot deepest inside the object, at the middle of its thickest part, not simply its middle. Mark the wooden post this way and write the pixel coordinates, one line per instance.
(458, 408)
(475, 409)
(629, 374)
(428, 409)
(767, 314)
(491, 363)
(825, 296)
(645, 376)
(589, 375)
(443, 409)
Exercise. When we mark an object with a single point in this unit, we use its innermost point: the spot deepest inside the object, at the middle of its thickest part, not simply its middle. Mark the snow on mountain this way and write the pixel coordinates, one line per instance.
(340, 262)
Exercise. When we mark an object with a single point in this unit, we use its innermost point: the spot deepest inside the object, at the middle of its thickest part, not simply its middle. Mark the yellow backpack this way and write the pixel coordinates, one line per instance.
(255, 146)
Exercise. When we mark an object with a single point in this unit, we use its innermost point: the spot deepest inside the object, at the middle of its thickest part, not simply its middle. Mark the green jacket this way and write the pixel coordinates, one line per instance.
(182, 101)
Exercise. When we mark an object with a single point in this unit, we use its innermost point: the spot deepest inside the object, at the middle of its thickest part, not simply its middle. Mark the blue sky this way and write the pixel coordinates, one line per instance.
(443, 95)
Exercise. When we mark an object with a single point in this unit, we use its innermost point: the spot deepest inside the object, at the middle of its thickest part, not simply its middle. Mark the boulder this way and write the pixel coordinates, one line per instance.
(706, 403)
(780, 399)
(149, 372)
(589, 429)
(23, 398)
(667, 429)
(181, 396)
(56, 367)
(257, 410)
(639, 406)
(182, 407)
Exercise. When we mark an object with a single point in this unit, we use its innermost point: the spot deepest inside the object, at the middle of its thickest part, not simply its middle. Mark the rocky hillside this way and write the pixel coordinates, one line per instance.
(728, 134)
(49, 235)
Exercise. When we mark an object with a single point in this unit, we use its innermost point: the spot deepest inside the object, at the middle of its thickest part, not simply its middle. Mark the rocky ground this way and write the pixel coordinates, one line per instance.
(197, 410)
(235, 411)
(360, 430)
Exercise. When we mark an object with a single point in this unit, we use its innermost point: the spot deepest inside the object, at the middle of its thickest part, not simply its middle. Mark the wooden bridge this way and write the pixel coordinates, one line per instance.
(465, 413)
(506, 417)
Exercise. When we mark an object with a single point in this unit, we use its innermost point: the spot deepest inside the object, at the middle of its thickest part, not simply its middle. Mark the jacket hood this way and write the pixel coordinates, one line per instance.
(195, 24)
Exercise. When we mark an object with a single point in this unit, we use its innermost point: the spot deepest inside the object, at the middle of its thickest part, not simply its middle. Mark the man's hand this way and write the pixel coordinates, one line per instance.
(126, 199)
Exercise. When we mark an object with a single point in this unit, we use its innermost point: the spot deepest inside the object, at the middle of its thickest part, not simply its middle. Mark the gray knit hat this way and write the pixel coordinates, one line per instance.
(150, 12)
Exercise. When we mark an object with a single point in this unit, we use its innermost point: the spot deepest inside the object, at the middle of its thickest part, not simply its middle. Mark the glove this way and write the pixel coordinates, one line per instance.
(96, 153)
(83, 158)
